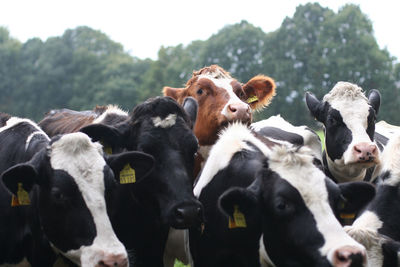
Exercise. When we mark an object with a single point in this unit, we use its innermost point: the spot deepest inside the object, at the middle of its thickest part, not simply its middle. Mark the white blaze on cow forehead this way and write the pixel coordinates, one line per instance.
(296, 167)
(233, 139)
(111, 109)
(83, 161)
(167, 122)
(224, 81)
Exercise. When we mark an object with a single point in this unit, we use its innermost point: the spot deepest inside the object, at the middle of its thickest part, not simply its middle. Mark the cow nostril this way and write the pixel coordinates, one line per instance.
(180, 213)
(232, 108)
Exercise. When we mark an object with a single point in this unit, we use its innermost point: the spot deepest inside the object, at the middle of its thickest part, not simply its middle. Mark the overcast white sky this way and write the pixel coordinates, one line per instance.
(142, 27)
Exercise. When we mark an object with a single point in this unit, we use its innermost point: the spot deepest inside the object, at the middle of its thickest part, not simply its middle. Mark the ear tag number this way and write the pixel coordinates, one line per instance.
(238, 220)
(127, 175)
(252, 99)
(22, 197)
(106, 148)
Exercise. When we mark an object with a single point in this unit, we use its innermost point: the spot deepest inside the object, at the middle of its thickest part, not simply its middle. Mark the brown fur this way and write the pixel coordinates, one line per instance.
(211, 102)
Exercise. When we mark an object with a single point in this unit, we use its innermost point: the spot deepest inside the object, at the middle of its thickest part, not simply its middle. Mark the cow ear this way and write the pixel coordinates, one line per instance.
(133, 165)
(391, 252)
(356, 195)
(246, 200)
(109, 136)
(23, 174)
(191, 107)
(259, 91)
(175, 93)
(314, 106)
(374, 99)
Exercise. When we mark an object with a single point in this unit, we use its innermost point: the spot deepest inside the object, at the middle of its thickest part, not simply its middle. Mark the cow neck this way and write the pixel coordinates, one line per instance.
(345, 173)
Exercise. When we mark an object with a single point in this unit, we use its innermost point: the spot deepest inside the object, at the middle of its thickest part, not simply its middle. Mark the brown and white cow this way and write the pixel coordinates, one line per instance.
(222, 99)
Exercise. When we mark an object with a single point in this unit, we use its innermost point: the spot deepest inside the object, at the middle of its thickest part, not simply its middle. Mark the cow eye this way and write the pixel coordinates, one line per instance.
(57, 194)
(199, 91)
(332, 121)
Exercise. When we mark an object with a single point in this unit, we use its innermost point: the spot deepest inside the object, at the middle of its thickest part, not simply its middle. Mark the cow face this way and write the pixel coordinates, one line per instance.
(349, 120)
(70, 178)
(222, 99)
(162, 128)
(297, 203)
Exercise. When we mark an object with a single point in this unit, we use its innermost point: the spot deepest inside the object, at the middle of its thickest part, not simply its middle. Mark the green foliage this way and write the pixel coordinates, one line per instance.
(180, 264)
(311, 51)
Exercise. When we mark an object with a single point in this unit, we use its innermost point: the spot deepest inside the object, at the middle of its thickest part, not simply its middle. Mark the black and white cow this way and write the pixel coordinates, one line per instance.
(379, 223)
(60, 186)
(142, 215)
(281, 131)
(274, 190)
(349, 121)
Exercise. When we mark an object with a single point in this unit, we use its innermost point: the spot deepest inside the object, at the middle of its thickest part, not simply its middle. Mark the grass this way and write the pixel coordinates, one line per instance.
(180, 264)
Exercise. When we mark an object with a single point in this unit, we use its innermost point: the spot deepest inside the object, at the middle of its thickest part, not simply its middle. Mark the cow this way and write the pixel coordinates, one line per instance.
(377, 227)
(251, 186)
(52, 196)
(281, 131)
(349, 119)
(222, 99)
(142, 215)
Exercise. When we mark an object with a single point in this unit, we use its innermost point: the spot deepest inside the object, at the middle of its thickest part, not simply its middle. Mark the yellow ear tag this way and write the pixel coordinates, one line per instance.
(22, 197)
(252, 99)
(238, 220)
(107, 149)
(127, 175)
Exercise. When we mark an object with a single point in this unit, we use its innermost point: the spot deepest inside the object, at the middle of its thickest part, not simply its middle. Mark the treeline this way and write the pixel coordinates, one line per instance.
(311, 51)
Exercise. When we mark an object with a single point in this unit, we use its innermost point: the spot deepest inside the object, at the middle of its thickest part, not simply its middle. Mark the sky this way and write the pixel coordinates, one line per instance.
(142, 27)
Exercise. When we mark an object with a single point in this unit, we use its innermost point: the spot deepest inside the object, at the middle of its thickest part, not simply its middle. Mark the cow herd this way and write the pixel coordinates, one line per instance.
(188, 176)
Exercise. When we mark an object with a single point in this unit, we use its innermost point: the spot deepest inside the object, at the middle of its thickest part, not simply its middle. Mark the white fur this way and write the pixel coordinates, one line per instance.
(296, 167)
(13, 121)
(224, 81)
(82, 159)
(167, 122)
(391, 161)
(386, 129)
(353, 106)
(111, 109)
(311, 140)
(231, 140)
(365, 231)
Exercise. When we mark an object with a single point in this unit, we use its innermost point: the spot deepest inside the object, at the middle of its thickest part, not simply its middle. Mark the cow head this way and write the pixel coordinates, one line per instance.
(70, 178)
(349, 120)
(222, 99)
(162, 128)
(297, 205)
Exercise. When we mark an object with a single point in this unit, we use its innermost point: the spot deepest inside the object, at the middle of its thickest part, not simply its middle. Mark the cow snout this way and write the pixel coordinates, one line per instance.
(186, 215)
(349, 256)
(113, 260)
(365, 152)
(239, 111)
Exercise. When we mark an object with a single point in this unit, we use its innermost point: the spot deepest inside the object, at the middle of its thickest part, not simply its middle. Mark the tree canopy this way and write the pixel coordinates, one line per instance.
(310, 51)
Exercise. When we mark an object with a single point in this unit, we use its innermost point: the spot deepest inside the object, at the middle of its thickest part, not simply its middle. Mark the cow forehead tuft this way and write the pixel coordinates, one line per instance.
(291, 155)
(345, 91)
(74, 143)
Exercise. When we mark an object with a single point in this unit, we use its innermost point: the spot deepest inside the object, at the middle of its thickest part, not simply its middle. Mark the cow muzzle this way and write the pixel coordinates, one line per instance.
(238, 112)
(113, 260)
(365, 152)
(187, 214)
(349, 256)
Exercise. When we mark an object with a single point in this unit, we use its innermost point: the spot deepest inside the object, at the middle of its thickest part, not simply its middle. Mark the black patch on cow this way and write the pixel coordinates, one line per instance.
(381, 140)
(287, 218)
(282, 135)
(75, 228)
(338, 137)
(112, 119)
(371, 123)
